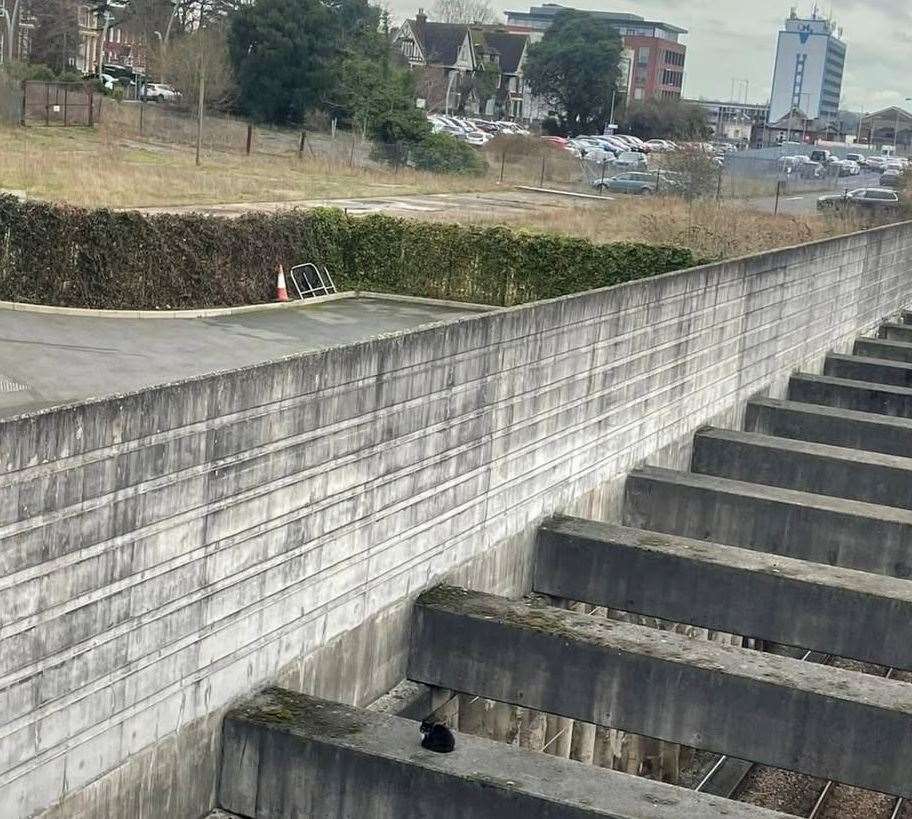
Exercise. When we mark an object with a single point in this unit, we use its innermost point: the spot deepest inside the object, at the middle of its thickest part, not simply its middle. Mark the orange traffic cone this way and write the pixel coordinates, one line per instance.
(281, 290)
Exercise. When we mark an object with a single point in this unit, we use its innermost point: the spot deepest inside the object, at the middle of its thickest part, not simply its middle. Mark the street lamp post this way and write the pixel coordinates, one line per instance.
(10, 20)
(163, 40)
(104, 36)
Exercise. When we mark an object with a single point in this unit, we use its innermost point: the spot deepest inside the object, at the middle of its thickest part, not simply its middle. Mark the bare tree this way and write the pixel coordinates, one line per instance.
(464, 11)
(202, 51)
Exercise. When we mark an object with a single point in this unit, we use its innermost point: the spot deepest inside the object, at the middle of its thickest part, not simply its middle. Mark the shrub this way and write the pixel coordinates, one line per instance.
(29, 71)
(67, 256)
(443, 153)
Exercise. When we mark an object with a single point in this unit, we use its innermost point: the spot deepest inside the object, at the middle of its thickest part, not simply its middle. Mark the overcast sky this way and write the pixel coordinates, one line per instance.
(737, 39)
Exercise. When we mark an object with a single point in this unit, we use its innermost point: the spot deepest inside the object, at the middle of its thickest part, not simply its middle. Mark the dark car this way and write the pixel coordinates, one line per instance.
(869, 199)
(891, 178)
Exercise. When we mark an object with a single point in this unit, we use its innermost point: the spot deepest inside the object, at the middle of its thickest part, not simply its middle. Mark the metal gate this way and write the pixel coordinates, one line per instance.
(59, 103)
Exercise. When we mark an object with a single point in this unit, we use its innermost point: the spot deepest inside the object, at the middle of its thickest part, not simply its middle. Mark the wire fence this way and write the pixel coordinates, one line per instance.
(509, 160)
(59, 103)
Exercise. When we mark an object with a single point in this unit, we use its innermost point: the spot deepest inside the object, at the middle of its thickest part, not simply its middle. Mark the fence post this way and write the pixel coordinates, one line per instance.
(249, 137)
(142, 108)
(301, 144)
(47, 103)
(541, 183)
(503, 162)
(351, 156)
(719, 186)
(333, 128)
(778, 188)
(658, 178)
(66, 100)
(24, 96)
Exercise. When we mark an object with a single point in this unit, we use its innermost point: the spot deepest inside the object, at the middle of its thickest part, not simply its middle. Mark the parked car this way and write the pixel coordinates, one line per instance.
(160, 92)
(661, 145)
(631, 160)
(640, 184)
(845, 167)
(891, 178)
(598, 155)
(876, 163)
(823, 156)
(868, 199)
(635, 143)
(859, 158)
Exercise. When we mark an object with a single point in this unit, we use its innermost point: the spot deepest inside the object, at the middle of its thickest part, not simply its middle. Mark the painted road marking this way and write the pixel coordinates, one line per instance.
(8, 385)
(793, 198)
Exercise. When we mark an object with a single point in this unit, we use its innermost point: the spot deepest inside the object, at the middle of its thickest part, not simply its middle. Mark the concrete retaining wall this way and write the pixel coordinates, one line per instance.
(166, 552)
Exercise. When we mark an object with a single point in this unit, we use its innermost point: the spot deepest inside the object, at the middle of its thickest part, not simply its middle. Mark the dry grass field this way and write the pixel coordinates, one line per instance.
(113, 165)
(712, 230)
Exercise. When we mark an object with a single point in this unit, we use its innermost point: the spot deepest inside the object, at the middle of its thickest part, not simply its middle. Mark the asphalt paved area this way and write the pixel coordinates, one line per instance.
(50, 359)
(508, 202)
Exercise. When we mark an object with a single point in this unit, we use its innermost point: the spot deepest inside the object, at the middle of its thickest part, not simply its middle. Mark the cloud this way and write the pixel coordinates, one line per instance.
(736, 40)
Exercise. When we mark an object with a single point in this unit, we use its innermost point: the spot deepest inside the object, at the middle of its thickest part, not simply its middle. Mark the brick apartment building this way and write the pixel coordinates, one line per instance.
(655, 48)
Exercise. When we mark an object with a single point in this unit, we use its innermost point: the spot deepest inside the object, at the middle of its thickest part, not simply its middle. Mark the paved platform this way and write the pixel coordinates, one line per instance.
(871, 477)
(48, 359)
(830, 425)
(806, 526)
(287, 755)
(826, 722)
(861, 396)
(724, 588)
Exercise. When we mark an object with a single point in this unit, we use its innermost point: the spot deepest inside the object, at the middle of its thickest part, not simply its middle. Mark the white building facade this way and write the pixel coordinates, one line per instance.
(810, 60)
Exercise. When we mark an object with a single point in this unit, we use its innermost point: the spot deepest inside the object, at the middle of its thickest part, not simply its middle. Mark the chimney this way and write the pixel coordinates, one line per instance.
(420, 18)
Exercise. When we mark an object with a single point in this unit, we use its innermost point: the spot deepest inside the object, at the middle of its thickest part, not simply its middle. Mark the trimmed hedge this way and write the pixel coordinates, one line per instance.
(101, 259)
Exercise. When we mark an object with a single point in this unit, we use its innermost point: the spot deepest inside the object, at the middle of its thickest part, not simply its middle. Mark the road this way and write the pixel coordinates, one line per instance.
(804, 203)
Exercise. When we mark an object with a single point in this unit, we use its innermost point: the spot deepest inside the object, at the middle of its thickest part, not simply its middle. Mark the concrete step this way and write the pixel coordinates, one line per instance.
(896, 331)
(724, 588)
(871, 477)
(822, 721)
(860, 396)
(287, 755)
(883, 348)
(874, 370)
(802, 525)
(830, 425)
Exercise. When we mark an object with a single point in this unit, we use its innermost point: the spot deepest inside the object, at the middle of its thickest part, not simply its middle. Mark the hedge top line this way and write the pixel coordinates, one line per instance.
(102, 259)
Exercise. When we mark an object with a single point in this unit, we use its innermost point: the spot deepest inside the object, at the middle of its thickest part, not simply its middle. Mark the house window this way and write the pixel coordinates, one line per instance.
(638, 93)
(643, 55)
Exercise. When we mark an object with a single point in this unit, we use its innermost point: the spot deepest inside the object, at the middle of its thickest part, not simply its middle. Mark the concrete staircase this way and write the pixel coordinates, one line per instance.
(796, 531)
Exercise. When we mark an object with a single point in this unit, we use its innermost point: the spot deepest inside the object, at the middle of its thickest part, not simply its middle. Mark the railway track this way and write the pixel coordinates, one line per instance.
(827, 790)
(724, 778)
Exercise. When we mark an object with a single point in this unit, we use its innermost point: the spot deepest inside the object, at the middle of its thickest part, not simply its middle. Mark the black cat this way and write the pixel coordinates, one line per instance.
(437, 737)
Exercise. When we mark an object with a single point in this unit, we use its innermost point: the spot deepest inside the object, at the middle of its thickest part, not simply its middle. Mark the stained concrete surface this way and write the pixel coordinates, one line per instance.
(822, 721)
(51, 359)
(830, 425)
(728, 589)
(287, 755)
